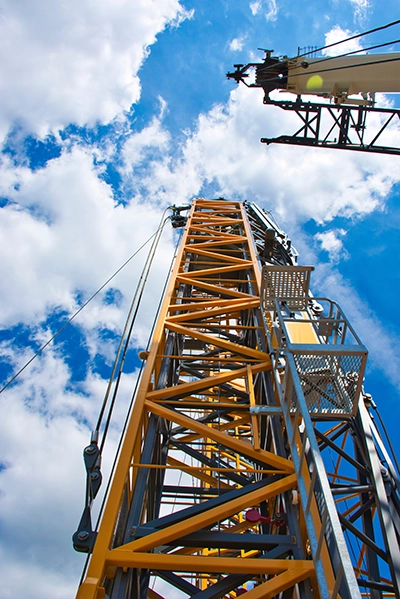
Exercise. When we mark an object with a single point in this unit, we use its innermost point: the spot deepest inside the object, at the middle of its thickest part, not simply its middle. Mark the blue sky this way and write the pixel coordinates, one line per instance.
(110, 112)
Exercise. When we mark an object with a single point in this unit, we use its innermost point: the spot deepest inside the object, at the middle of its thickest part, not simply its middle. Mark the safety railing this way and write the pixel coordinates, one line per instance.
(329, 357)
(284, 281)
(318, 365)
(327, 543)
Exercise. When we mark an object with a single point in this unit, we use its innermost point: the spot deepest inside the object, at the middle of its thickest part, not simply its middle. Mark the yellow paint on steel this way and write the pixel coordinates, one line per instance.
(216, 221)
(237, 422)
(213, 288)
(242, 350)
(204, 304)
(234, 306)
(286, 580)
(329, 574)
(96, 568)
(198, 564)
(214, 301)
(236, 445)
(209, 233)
(209, 517)
(301, 332)
(253, 254)
(206, 383)
(206, 272)
(185, 467)
(196, 472)
(214, 242)
(254, 418)
(220, 257)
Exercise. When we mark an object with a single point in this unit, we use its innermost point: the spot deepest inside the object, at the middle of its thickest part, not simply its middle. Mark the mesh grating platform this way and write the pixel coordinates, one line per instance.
(331, 383)
(327, 357)
(290, 282)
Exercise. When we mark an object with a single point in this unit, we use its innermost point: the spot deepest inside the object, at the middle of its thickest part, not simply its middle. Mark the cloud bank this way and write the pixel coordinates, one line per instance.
(75, 61)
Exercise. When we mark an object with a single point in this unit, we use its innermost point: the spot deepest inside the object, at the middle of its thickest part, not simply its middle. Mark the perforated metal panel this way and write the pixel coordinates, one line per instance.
(328, 357)
(331, 383)
(290, 282)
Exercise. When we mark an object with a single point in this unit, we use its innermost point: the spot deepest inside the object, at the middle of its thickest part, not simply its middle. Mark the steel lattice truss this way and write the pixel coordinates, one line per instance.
(220, 486)
(359, 128)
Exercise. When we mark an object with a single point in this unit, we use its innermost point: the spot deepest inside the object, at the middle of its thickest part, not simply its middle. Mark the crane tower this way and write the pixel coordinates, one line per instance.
(252, 463)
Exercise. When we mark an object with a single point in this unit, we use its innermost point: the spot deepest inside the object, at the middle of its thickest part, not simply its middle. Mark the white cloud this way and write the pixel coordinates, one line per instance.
(43, 430)
(272, 11)
(337, 34)
(331, 242)
(269, 7)
(298, 184)
(382, 344)
(64, 233)
(42, 487)
(75, 61)
(360, 8)
(170, 175)
(236, 44)
(226, 151)
(255, 7)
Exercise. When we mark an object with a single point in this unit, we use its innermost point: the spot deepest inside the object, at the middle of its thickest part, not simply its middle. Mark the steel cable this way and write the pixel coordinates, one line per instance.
(353, 37)
(314, 62)
(127, 332)
(358, 35)
(130, 408)
(76, 314)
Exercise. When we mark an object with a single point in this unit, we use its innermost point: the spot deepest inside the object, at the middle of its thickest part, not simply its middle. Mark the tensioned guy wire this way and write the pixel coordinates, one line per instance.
(358, 35)
(314, 62)
(353, 37)
(131, 403)
(126, 335)
(77, 312)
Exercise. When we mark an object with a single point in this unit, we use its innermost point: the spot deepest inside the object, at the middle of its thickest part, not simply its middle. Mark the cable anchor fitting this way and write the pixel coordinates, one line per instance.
(177, 219)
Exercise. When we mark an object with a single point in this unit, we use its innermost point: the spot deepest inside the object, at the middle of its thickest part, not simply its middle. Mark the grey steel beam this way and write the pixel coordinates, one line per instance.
(388, 529)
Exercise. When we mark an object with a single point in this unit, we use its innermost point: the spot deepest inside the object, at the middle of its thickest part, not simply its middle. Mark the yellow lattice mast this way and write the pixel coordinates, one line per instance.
(220, 487)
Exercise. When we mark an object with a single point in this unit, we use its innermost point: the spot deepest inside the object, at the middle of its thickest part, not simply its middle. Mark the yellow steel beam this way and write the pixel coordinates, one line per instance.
(219, 342)
(209, 233)
(238, 446)
(207, 478)
(234, 306)
(216, 221)
(206, 383)
(215, 242)
(212, 288)
(216, 270)
(209, 517)
(193, 248)
(218, 303)
(286, 580)
(242, 420)
(181, 563)
(253, 254)
(96, 568)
